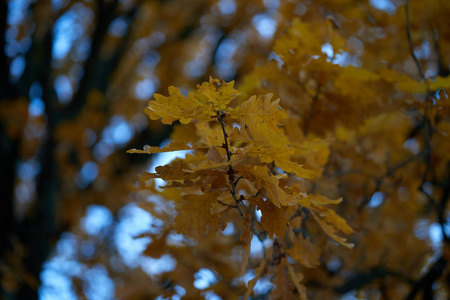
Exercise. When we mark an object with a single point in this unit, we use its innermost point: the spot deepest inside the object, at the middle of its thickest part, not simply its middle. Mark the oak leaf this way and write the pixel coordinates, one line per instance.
(269, 183)
(296, 278)
(246, 238)
(283, 285)
(304, 252)
(173, 146)
(252, 282)
(273, 219)
(218, 92)
(178, 107)
(331, 229)
(194, 214)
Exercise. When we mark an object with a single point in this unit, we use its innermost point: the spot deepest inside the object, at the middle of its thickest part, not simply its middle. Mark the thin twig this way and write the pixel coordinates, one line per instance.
(393, 168)
(411, 47)
(440, 212)
(389, 173)
(220, 116)
(233, 183)
(226, 204)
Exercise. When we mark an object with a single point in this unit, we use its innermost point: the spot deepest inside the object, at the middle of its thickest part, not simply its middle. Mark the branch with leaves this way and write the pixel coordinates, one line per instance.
(235, 147)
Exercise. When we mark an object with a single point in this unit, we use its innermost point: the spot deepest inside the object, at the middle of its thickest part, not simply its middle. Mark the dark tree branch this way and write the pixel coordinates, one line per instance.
(44, 77)
(358, 280)
(36, 231)
(9, 154)
(105, 67)
(443, 70)
(220, 116)
(8, 148)
(105, 14)
(427, 281)
(441, 209)
(38, 58)
(4, 60)
(389, 173)
(411, 46)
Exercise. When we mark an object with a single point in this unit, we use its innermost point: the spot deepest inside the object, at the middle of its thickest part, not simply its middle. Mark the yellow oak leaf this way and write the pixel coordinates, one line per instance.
(289, 166)
(269, 183)
(383, 123)
(299, 43)
(176, 170)
(207, 165)
(185, 133)
(218, 93)
(296, 279)
(216, 154)
(314, 152)
(331, 230)
(208, 168)
(212, 134)
(321, 200)
(304, 252)
(402, 82)
(178, 107)
(281, 158)
(352, 81)
(214, 181)
(176, 184)
(173, 146)
(273, 219)
(146, 176)
(261, 108)
(194, 214)
(283, 285)
(334, 219)
(251, 283)
(239, 160)
(260, 118)
(227, 199)
(246, 237)
(327, 218)
(440, 83)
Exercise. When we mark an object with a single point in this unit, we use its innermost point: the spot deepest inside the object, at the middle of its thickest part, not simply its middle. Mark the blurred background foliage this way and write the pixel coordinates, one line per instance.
(76, 77)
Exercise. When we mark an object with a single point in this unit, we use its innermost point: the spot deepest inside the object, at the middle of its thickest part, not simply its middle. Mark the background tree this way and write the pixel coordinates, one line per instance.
(363, 89)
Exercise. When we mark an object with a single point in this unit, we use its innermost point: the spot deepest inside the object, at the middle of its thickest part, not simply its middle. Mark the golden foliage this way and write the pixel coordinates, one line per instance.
(256, 152)
(351, 122)
(317, 167)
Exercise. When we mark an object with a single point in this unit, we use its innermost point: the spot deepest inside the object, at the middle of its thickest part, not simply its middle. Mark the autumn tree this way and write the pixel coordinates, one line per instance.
(74, 74)
(312, 164)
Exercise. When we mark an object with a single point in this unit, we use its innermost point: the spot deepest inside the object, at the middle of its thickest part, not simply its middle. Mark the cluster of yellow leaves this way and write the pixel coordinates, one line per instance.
(241, 161)
(387, 128)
